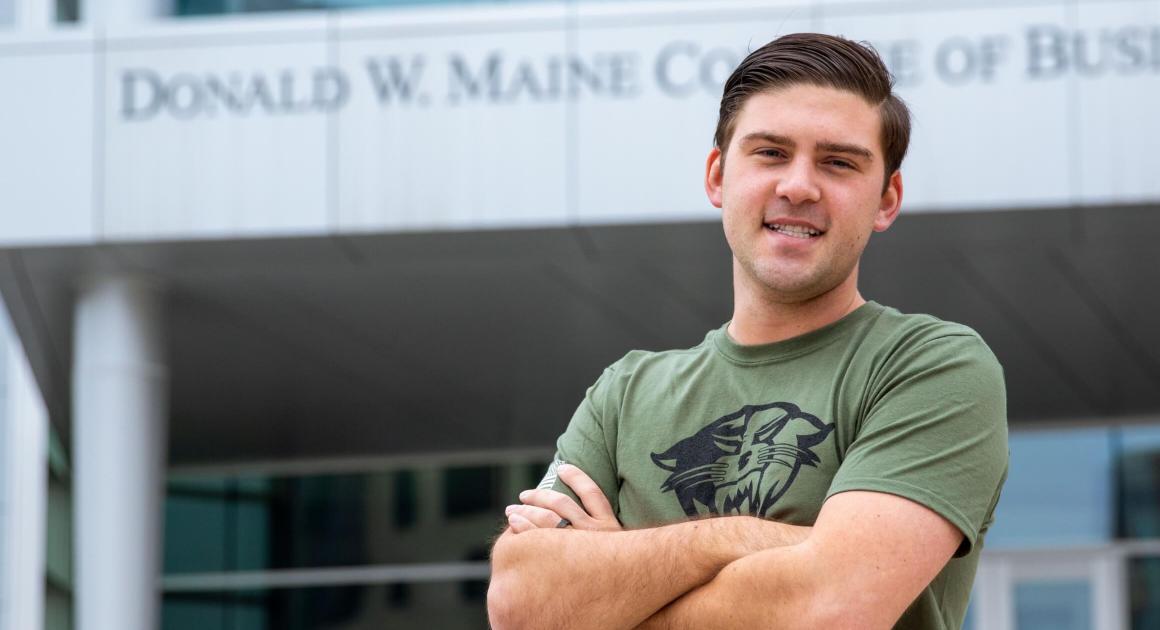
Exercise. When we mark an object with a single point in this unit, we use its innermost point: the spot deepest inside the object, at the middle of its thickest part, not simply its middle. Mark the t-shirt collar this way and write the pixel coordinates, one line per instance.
(795, 346)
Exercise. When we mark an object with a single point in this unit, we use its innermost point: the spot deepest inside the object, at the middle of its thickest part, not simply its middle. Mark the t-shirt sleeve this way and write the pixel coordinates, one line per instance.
(935, 433)
(589, 441)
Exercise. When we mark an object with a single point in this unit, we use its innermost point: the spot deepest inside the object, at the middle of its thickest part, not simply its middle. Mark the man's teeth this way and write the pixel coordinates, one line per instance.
(793, 230)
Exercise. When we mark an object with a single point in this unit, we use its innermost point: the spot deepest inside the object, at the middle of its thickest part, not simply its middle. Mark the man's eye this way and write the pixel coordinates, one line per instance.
(842, 164)
(773, 153)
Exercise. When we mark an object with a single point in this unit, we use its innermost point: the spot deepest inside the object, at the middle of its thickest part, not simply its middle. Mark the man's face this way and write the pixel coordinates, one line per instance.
(800, 188)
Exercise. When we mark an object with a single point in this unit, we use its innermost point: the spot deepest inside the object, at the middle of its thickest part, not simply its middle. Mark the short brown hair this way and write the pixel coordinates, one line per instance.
(826, 61)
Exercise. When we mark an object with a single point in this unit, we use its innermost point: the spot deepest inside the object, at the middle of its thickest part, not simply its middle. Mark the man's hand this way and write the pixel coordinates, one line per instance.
(546, 508)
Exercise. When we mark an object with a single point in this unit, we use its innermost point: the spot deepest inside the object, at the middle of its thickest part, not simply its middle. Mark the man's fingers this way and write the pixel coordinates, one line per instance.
(537, 516)
(519, 524)
(590, 494)
(557, 502)
(596, 513)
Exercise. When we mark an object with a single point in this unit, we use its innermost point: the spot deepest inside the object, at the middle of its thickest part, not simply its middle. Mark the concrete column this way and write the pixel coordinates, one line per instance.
(120, 407)
(23, 487)
(1110, 573)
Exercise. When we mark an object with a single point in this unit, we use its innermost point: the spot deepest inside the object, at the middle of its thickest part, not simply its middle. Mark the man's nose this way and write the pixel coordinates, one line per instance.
(798, 183)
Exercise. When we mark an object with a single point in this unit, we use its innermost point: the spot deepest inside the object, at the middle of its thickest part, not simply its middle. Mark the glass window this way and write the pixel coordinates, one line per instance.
(1053, 605)
(425, 605)
(1138, 515)
(216, 7)
(243, 610)
(58, 604)
(406, 502)
(58, 609)
(471, 490)
(1144, 593)
(251, 523)
(67, 10)
(1058, 491)
(535, 473)
(217, 525)
(7, 12)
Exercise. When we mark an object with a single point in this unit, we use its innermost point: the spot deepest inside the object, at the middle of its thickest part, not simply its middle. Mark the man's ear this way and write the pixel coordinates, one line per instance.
(890, 203)
(714, 171)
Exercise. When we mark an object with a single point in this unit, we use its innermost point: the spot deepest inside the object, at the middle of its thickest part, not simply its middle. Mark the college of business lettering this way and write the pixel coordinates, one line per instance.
(679, 69)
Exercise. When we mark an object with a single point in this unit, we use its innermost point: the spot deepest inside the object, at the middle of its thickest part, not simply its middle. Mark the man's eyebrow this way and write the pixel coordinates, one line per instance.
(842, 147)
(771, 138)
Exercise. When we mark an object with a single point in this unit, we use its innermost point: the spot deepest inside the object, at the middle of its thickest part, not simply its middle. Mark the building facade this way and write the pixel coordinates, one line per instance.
(301, 293)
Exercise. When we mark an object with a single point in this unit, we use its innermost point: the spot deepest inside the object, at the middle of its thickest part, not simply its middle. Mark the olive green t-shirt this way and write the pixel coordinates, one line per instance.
(904, 404)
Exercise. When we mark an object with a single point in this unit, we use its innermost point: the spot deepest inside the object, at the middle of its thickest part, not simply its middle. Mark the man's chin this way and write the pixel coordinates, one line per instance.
(784, 287)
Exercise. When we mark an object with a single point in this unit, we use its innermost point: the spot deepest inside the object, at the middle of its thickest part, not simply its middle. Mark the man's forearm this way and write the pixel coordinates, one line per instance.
(866, 560)
(579, 579)
(740, 596)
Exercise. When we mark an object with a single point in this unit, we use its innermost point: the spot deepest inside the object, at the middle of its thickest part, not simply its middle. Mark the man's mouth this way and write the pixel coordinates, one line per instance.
(795, 231)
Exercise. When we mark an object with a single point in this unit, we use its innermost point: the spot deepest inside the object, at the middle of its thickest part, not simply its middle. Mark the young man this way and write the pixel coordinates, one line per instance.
(853, 454)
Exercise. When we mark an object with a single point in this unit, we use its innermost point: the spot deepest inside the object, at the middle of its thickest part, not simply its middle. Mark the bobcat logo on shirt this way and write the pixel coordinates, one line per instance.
(743, 462)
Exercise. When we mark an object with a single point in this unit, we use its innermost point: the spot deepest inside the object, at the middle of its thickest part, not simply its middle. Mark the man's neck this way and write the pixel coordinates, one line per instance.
(758, 318)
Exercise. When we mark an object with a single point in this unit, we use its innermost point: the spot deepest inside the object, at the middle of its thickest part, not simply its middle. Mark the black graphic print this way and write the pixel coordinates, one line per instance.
(743, 462)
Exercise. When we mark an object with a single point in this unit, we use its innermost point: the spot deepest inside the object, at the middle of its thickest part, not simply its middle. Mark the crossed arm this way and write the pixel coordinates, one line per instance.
(865, 560)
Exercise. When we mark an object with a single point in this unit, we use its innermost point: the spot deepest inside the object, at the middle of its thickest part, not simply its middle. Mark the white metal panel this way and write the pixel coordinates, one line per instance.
(125, 12)
(46, 148)
(452, 131)
(1114, 53)
(184, 161)
(998, 127)
(31, 15)
(986, 133)
(641, 152)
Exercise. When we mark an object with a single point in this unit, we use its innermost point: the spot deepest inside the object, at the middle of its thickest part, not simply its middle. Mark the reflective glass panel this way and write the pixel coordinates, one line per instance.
(333, 520)
(1139, 505)
(1059, 490)
(1144, 593)
(440, 605)
(1053, 605)
(68, 11)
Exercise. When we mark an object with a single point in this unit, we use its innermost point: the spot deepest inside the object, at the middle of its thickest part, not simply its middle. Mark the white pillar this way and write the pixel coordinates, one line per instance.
(120, 407)
(994, 583)
(1111, 591)
(23, 488)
